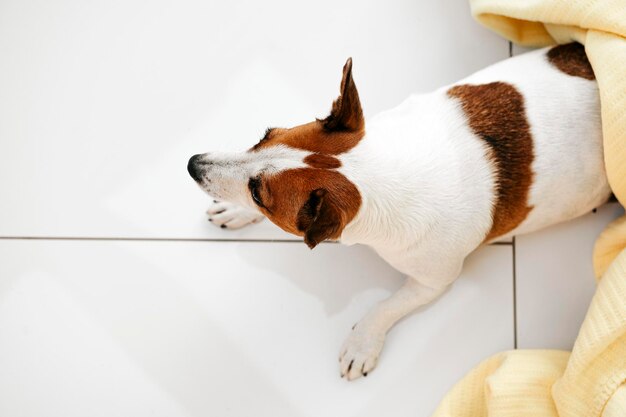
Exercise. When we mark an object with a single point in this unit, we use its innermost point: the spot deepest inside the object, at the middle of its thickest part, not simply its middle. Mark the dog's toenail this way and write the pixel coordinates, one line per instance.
(223, 226)
(350, 366)
(215, 201)
(364, 373)
(221, 211)
(210, 220)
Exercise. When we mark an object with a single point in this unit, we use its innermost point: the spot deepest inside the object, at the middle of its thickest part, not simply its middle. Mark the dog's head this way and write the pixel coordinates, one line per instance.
(292, 175)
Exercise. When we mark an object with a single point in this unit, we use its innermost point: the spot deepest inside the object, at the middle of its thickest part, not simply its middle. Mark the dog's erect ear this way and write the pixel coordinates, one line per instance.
(346, 113)
(318, 218)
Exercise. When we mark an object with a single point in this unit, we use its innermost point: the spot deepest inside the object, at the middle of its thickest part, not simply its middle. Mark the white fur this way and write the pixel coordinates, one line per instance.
(427, 184)
(225, 175)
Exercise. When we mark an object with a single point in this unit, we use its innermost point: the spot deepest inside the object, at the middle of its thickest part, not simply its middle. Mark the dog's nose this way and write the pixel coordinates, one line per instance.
(193, 168)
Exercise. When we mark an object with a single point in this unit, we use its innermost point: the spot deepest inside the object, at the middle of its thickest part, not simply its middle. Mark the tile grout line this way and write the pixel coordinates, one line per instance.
(514, 250)
(174, 239)
(147, 239)
(513, 247)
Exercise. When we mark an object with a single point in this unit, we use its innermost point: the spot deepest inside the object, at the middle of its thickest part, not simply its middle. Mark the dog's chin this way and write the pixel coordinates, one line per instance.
(207, 189)
(220, 195)
(214, 194)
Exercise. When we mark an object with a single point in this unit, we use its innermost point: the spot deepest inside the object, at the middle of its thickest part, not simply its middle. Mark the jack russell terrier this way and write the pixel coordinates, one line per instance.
(511, 149)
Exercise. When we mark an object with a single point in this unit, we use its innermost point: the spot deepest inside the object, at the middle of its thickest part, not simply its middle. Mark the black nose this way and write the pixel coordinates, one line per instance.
(193, 168)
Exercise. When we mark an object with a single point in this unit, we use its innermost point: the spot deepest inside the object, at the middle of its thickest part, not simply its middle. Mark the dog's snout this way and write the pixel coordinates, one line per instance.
(193, 167)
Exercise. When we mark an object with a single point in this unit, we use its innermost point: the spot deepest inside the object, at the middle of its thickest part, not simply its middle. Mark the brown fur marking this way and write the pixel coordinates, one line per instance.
(346, 112)
(321, 161)
(316, 202)
(311, 137)
(572, 60)
(496, 114)
(338, 133)
(286, 193)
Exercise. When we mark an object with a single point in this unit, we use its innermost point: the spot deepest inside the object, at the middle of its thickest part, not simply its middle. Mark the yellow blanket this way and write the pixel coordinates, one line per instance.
(591, 381)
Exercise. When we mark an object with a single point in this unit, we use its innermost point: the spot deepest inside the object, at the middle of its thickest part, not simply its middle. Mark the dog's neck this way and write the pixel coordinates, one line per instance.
(384, 213)
(394, 174)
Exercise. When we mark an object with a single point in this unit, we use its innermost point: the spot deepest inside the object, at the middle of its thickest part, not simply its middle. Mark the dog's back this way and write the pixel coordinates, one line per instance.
(558, 152)
(530, 123)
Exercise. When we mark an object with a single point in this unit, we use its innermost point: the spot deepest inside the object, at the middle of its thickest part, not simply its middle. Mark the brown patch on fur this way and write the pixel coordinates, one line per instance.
(316, 202)
(346, 113)
(309, 202)
(311, 137)
(572, 60)
(338, 133)
(318, 219)
(496, 114)
(320, 161)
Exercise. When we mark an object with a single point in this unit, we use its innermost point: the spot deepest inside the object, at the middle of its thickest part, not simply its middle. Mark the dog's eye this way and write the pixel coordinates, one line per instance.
(254, 185)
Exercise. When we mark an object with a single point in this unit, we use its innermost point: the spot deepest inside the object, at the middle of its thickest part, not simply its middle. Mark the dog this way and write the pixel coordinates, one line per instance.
(508, 150)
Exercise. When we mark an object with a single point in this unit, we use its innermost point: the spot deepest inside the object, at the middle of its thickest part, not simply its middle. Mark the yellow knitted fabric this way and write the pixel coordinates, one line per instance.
(592, 380)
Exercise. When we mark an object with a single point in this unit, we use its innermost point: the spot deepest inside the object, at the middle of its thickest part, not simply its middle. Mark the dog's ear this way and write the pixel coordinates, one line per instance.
(346, 113)
(318, 218)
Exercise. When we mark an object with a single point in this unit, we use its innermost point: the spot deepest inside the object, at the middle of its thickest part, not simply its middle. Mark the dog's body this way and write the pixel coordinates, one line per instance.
(508, 150)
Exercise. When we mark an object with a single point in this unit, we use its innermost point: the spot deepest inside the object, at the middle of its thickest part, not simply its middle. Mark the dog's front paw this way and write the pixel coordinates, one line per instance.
(360, 351)
(231, 216)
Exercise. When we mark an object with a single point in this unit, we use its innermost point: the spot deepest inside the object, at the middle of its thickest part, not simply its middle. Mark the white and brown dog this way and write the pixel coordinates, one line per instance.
(510, 149)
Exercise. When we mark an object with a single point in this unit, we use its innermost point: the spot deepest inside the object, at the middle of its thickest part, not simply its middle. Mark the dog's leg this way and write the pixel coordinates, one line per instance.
(360, 351)
(232, 216)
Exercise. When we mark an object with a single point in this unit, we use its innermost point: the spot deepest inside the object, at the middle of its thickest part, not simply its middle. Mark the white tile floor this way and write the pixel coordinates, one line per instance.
(225, 329)
(117, 297)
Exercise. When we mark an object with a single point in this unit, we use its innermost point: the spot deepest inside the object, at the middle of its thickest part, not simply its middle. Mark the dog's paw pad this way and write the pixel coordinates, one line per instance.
(231, 216)
(360, 353)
